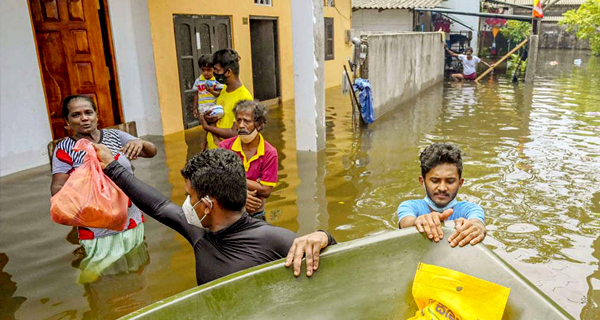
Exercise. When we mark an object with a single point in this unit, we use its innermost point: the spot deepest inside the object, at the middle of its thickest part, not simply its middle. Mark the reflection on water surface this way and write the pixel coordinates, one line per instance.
(532, 162)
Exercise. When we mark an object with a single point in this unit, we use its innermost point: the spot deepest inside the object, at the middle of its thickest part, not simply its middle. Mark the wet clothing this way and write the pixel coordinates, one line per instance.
(469, 66)
(471, 76)
(263, 166)
(102, 254)
(228, 100)
(246, 243)
(65, 160)
(462, 209)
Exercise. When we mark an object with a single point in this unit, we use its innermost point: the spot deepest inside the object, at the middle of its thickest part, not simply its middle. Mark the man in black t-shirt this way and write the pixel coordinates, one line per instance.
(224, 237)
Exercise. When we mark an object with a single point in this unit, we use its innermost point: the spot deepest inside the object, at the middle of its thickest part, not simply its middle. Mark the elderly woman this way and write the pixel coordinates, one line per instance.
(260, 158)
(102, 246)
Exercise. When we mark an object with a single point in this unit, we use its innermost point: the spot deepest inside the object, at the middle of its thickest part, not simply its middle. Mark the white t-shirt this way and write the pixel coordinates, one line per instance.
(469, 66)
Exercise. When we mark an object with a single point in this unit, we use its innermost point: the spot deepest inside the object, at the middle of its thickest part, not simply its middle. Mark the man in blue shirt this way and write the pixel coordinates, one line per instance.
(441, 177)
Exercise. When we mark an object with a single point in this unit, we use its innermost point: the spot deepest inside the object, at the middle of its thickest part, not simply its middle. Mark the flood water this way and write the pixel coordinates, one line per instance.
(532, 162)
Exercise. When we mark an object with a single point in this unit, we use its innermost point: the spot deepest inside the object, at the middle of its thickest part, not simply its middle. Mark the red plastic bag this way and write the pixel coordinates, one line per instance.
(89, 198)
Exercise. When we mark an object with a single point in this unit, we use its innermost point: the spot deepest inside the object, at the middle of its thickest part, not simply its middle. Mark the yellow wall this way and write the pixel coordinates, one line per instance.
(165, 56)
(342, 21)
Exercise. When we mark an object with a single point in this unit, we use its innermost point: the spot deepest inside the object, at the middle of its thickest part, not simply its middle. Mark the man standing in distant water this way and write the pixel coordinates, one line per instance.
(441, 176)
(469, 62)
(259, 157)
(227, 71)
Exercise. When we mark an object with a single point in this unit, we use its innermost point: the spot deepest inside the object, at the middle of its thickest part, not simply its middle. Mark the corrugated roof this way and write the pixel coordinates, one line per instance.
(394, 4)
(559, 3)
(552, 18)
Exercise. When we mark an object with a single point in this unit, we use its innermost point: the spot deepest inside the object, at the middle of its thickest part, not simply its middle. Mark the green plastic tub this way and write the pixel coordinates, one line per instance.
(368, 278)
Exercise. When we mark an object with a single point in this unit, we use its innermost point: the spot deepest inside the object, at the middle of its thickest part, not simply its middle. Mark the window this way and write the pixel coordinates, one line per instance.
(329, 3)
(329, 39)
(268, 3)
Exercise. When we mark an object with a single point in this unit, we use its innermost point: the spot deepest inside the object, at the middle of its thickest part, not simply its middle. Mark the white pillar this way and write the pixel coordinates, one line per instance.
(312, 196)
(309, 73)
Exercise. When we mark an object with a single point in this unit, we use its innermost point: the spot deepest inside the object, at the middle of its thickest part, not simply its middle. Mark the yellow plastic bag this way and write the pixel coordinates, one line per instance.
(442, 293)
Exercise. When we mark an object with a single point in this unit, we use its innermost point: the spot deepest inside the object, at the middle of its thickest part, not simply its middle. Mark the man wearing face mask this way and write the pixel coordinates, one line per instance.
(227, 71)
(441, 177)
(259, 157)
(225, 239)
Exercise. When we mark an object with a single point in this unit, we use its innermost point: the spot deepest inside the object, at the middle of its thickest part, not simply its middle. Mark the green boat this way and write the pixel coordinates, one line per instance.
(368, 278)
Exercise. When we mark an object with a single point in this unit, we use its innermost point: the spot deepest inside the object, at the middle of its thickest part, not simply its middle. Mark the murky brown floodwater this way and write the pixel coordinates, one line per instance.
(533, 163)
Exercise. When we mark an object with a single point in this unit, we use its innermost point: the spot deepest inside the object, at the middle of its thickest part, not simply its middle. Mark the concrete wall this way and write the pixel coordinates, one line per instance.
(135, 64)
(553, 36)
(386, 20)
(25, 129)
(473, 22)
(401, 65)
(24, 124)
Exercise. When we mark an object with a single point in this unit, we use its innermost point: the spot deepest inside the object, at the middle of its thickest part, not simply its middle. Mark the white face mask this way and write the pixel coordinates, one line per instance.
(190, 212)
(433, 206)
(247, 138)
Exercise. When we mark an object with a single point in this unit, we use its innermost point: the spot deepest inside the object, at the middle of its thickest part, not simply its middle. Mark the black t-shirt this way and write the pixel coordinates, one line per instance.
(246, 243)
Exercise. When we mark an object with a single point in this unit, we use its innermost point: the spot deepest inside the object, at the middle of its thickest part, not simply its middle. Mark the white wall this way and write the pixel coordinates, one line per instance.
(135, 64)
(386, 20)
(402, 65)
(473, 22)
(24, 124)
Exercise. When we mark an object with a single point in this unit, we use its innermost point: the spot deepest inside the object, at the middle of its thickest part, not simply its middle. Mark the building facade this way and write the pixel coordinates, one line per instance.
(136, 58)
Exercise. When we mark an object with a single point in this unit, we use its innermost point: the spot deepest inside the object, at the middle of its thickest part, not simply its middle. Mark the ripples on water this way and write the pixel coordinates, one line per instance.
(532, 162)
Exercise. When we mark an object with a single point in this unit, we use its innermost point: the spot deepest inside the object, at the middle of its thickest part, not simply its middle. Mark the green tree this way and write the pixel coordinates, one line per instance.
(516, 31)
(585, 21)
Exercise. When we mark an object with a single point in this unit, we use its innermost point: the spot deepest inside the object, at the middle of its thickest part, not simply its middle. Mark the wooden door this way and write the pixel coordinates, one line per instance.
(195, 36)
(71, 55)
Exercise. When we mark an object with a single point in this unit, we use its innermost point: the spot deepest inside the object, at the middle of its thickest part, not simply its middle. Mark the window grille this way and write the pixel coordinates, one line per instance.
(329, 44)
(267, 3)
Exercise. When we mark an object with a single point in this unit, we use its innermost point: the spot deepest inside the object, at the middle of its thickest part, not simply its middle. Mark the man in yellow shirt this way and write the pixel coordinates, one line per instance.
(227, 70)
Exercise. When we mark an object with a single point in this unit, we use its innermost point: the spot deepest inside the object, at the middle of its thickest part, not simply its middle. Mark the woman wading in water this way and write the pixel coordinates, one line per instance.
(102, 246)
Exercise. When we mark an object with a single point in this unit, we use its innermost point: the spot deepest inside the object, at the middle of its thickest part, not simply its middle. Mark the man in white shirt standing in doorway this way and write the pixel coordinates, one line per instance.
(469, 62)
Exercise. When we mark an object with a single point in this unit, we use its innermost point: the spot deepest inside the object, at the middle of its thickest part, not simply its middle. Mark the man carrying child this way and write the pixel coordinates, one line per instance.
(227, 71)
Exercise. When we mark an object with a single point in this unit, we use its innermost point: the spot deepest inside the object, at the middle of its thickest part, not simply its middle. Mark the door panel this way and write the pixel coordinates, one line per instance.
(204, 30)
(55, 77)
(263, 36)
(222, 33)
(187, 57)
(195, 36)
(71, 54)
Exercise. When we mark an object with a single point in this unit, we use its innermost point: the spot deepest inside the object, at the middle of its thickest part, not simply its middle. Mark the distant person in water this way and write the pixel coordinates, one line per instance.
(469, 62)
(224, 238)
(259, 157)
(441, 177)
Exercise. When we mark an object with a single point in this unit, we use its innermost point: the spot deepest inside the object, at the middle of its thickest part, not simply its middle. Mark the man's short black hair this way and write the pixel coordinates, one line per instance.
(228, 59)
(440, 153)
(205, 61)
(469, 48)
(220, 174)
